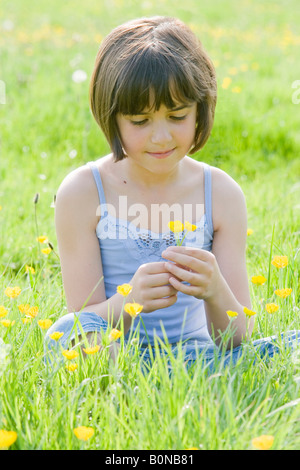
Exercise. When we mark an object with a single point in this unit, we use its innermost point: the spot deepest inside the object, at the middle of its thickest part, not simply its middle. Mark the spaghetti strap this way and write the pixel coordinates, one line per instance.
(98, 181)
(208, 196)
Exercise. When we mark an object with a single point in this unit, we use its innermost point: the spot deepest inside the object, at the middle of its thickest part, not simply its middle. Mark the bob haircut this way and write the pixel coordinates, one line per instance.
(146, 59)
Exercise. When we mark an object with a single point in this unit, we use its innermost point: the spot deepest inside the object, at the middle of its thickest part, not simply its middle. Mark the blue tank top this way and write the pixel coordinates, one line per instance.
(124, 247)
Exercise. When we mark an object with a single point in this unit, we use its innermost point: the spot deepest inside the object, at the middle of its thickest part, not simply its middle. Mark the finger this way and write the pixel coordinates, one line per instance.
(184, 288)
(197, 253)
(159, 280)
(182, 273)
(186, 261)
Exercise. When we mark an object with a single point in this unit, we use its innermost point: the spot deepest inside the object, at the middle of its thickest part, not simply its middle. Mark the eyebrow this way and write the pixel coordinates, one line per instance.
(178, 108)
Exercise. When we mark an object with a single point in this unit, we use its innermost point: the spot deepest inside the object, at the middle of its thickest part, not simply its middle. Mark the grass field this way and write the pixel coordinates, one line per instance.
(46, 130)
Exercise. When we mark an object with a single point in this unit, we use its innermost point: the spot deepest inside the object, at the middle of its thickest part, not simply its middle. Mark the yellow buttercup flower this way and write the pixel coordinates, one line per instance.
(114, 334)
(283, 293)
(249, 231)
(23, 308)
(272, 308)
(71, 367)
(248, 312)
(70, 354)
(7, 323)
(3, 311)
(45, 324)
(259, 280)
(12, 292)
(133, 309)
(7, 438)
(32, 311)
(176, 226)
(190, 227)
(263, 442)
(124, 289)
(26, 320)
(46, 251)
(56, 335)
(226, 82)
(231, 313)
(42, 239)
(91, 350)
(83, 432)
(280, 261)
(29, 269)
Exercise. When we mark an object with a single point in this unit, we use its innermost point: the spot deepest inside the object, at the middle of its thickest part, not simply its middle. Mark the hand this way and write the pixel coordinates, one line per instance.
(151, 287)
(197, 267)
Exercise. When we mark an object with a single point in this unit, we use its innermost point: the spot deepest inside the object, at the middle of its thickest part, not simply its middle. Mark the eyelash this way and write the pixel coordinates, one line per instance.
(141, 123)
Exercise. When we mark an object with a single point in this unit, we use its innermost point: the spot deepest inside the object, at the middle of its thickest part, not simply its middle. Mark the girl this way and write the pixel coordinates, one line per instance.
(153, 93)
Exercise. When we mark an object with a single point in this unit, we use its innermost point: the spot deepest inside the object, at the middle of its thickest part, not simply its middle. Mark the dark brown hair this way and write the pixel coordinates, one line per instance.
(148, 57)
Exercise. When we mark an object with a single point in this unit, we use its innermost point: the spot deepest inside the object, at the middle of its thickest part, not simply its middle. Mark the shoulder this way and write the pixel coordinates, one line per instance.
(77, 196)
(228, 200)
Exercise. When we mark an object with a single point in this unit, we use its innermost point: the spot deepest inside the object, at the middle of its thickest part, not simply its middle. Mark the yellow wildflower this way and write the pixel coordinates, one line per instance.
(56, 335)
(7, 438)
(3, 311)
(32, 312)
(83, 432)
(45, 324)
(42, 239)
(259, 280)
(249, 231)
(236, 89)
(248, 312)
(231, 313)
(133, 309)
(71, 367)
(12, 292)
(46, 251)
(124, 289)
(283, 293)
(226, 82)
(271, 308)
(91, 350)
(23, 308)
(114, 334)
(7, 323)
(29, 269)
(26, 320)
(70, 354)
(176, 226)
(190, 227)
(263, 442)
(280, 261)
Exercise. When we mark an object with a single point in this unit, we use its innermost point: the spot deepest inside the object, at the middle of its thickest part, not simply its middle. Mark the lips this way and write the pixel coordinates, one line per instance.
(164, 154)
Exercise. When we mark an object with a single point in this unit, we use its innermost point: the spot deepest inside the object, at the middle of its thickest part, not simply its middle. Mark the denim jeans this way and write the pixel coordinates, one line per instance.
(73, 324)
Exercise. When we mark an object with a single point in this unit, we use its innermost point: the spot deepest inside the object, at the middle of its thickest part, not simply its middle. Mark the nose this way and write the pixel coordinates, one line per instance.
(161, 133)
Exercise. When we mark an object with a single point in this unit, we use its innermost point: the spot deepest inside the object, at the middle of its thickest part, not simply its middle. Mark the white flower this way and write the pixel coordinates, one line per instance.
(79, 76)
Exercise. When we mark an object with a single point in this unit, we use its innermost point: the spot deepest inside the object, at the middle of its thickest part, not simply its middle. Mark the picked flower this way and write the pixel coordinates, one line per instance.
(12, 292)
(114, 334)
(283, 293)
(3, 311)
(83, 432)
(176, 226)
(7, 438)
(133, 309)
(248, 312)
(263, 442)
(124, 289)
(56, 335)
(190, 227)
(70, 354)
(258, 280)
(45, 324)
(272, 308)
(280, 261)
(91, 350)
(231, 313)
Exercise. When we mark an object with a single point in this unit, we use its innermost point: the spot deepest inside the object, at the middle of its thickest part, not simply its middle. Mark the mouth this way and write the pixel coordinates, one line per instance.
(161, 155)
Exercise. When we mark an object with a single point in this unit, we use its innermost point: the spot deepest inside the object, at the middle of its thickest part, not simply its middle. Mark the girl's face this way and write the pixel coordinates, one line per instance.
(158, 139)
